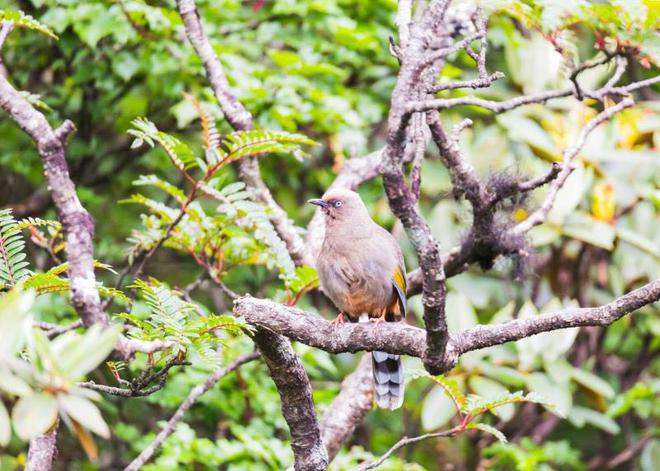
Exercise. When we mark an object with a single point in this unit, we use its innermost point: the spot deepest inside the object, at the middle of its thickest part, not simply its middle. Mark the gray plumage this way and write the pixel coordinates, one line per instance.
(361, 270)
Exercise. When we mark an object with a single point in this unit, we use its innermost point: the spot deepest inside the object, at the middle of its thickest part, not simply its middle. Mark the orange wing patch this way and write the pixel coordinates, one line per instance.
(399, 284)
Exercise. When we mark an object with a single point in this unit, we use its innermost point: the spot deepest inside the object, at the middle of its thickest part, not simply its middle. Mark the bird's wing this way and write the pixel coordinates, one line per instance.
(400, 286)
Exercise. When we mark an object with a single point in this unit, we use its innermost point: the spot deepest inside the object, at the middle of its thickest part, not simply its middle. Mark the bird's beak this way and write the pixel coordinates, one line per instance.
(319, 202)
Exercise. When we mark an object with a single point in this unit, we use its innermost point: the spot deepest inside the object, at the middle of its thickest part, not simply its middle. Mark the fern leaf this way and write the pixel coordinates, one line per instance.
(167, 187)
(36, 222)
(13, 266)
(248, 143)
(44, 283)
(211, 134)
(166, 213)
(488, 429)
(22, 20)
(146, 131)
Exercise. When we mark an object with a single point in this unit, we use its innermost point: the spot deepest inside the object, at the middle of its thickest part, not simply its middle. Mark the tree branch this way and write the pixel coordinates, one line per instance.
(495, 334)
(348, 408)
(43, 451)
(5, 29)
(316, 332)
(408, 340)
(538, 216)
(297, 401)
(406, 441)
(194, 394)
(241, 120)
(77, 224)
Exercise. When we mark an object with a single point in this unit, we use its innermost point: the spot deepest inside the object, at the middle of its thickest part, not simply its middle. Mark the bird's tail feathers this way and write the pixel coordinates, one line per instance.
(388, 380)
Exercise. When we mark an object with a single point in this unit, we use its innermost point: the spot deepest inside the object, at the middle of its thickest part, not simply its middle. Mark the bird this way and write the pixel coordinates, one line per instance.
(361, 269)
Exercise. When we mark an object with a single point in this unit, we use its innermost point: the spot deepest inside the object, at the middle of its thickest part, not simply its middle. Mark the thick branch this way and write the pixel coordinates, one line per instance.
(348, 408)
(194, 394)
(317, 332)
(77, 224)
(297, 401)
(407, 340)
(42, 451)
(486, 336)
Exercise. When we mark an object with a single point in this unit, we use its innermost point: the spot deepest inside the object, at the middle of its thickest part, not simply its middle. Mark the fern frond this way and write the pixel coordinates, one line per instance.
(266, 233)
(248, 143)
(211, 134)
(146, 131)
(36, 222)
(172, 190)
(62, 267)
(166, 213)
(12, 251)
(22, 20)
(47, 282)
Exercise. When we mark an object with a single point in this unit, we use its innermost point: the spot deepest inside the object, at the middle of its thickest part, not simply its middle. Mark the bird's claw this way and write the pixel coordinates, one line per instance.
(339, 320)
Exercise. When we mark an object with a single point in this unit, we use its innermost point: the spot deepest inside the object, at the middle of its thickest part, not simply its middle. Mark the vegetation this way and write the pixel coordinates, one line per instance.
(121, 345)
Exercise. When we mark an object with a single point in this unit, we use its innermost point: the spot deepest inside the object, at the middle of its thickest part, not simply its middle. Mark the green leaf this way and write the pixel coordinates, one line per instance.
(22, 20)
(593, 382)
(247, 143)
(557, 396)
(460, 313)
(633, 397)
(584, 227)
(437, 409)
(503, 374)
(635, 239)
(14, 320)
(12, 251)
(146, 131)
(33, 415)
(78, 354)
(488, 429)
(650, 456)
(579, 416)
(83, 411)
(492, 391)
(12, 384)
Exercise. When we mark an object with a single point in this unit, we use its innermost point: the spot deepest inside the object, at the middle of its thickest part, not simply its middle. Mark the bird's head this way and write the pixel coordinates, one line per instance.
(342, 206)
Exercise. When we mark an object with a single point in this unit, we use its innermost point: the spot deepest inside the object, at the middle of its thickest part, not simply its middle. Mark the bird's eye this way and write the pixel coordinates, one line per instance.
(338, 204)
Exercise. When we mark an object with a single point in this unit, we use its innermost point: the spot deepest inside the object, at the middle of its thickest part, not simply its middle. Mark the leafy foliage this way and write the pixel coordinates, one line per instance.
(12, 255)
(324, 69)
(183, 323)
(43, 374)
(21, 20)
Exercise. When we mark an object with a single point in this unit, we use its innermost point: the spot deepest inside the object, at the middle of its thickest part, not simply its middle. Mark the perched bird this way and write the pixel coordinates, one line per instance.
(361, 270)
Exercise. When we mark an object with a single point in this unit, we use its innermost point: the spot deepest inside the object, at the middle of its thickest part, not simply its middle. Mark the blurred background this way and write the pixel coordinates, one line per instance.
(322, 68)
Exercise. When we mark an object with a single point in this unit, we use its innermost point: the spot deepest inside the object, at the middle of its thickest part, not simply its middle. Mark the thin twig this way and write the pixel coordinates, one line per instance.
(481, 82)
(406, 441)
(138, 387)
(194, 394)
(538, 216)
(53, 330)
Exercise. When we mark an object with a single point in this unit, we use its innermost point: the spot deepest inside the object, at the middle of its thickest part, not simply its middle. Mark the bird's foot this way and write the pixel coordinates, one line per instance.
(339, 320)
(378, 320)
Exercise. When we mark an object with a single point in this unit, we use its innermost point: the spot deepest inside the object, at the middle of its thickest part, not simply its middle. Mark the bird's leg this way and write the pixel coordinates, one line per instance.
(380, 319)
(339, 320)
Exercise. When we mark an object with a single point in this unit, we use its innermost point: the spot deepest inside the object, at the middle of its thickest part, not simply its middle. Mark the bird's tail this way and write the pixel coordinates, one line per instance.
(388, 379)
